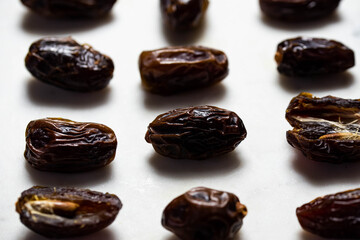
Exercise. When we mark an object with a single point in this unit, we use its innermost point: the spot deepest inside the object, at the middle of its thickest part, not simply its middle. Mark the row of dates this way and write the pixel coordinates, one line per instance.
(199, 214)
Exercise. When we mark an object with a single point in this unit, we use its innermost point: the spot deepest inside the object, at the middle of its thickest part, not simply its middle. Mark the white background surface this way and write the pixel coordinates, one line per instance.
(268, 175)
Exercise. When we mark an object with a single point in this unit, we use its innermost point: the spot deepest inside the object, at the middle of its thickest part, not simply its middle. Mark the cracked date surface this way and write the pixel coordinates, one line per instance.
(204, 214)
(70, 9)
(313, 56)
(171, 70)
(66, 212)
(325, 129)
(332, 216)
(183, 15)
(64, 63)
(196, 132)
(62, 145)
(299, 10)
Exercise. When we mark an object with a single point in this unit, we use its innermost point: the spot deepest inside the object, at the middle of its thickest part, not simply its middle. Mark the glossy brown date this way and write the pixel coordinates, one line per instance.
(196, 132)
(64, 63)
(66, 212)
(62, 145)
(204, 214)
(332, 216)
(299, 10)
(183, 15)
(325, 129)
(70, 9)
(176, 69)
(313, 56)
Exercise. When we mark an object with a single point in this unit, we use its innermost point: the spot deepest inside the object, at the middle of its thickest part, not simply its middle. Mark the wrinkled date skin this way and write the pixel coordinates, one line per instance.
(332, 216)
(70, 9)
(204, 214)
(62, 145)
(64, 63)
(183, 15)
(196, 132)
(298, 10)
(325, 129)
(313, 56)
(66, 212)
(176, 69)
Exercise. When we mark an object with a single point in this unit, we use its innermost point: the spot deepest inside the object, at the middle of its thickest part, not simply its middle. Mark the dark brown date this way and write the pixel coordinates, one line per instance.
(325, 129)
(183, 15)
(332, 216)
(196, 132)
(313, 56)
(175, 69)
(204, 214)
(70, 9)
(298, 10)
(64, 63)
(66, 212)
(62, 145)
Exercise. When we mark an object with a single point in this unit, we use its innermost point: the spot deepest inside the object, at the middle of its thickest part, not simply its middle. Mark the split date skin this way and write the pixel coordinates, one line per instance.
(332, 216)
(64, 63)
(197, 133)
(299, 10)
(62, 145)
(181, 15)
(70, 9)
(325, 129)
(172, 70)
(204, 214)
(306, 57)
(62, 212)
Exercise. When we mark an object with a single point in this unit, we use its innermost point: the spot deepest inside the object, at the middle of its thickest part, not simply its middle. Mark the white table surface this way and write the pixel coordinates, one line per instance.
(265, 172)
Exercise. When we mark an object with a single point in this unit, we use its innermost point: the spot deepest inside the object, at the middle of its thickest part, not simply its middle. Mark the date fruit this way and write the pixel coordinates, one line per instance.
(332, 216)
(62, 145)
(171, 70)
(66, 212)
(313, 56)
(298, 10)
(70, 9)
(196, 132)
(183, 15)
(325, 129)
(66, 64)
(204, 214)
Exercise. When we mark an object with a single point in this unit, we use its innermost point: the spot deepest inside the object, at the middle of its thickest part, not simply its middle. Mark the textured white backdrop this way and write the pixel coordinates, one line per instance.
(269, 176)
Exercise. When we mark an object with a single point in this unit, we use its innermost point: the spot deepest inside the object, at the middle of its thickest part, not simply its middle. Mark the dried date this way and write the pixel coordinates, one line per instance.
(176, 69)
(313, 56)
(196, 132)
(325, 129)
(70, 9)
(66, 212)
(204, 214)
(66, 64)
(299, 10)
(332, 216)
(183, 15)
(62, 145)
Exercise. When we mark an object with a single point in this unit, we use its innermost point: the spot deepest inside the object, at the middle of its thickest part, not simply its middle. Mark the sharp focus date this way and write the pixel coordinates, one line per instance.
(325, 129)
(176, 69)
(61, 145)
(332, 216)
(313, 56)
(204, 214)
(66, 64)
(70, 9)
(183, 15)
(66, 212)
(196, 132)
